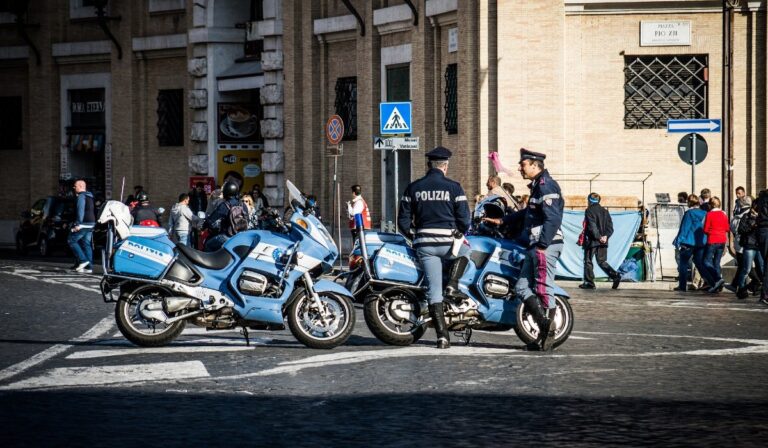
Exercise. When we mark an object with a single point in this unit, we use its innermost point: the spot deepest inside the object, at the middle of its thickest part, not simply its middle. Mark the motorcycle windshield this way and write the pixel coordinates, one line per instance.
(310, 225)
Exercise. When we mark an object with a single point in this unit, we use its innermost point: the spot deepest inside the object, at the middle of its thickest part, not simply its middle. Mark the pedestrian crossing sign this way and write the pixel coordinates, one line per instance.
(395, 118)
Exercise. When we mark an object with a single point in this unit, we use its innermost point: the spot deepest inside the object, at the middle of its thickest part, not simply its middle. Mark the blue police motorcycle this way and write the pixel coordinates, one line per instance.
(257, 280)
(390, 283)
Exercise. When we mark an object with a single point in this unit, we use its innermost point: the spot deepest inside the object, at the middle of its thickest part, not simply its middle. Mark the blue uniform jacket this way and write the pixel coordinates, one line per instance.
(543, 215)
(691, 231)
(433, 207)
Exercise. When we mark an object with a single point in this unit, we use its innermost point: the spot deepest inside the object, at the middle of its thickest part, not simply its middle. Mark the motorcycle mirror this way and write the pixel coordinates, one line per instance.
(161, 210)
(201, 215)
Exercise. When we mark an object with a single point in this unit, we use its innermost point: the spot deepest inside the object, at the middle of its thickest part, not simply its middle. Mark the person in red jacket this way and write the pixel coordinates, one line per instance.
(716, 227)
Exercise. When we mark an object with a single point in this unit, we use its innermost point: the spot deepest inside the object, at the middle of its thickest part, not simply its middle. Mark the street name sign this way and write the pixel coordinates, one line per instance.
(395, 118)
(396, 143)
(690, 126)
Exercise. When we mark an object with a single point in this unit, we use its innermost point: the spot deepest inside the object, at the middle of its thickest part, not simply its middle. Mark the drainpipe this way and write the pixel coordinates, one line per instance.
(727, 131)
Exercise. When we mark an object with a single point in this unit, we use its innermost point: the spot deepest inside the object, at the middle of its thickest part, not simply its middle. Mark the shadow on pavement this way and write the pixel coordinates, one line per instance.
(120, 418)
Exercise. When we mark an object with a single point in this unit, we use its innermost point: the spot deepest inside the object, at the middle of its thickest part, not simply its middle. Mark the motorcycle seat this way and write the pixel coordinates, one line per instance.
(210, 260)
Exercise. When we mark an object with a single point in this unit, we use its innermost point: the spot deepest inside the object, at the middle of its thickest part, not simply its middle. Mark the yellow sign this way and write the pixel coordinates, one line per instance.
(241, 166)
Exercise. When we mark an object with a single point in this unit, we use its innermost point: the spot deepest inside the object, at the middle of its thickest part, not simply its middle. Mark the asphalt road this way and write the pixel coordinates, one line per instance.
(642, 368)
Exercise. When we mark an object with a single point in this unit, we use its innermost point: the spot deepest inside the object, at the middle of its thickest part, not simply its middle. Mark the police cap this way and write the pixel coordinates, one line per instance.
(526, 154)
(439, 154)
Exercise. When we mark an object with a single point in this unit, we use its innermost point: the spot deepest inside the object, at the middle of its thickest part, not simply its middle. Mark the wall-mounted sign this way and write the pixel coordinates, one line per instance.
(660, 34)
(238, 123)
(87, 108)
(453, 40)
(241, 166)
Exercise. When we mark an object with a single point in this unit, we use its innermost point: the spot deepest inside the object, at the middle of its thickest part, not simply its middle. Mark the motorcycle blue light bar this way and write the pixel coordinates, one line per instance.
(358, 220)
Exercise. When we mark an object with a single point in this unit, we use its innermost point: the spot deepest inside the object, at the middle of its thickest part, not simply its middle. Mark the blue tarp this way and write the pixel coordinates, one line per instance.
(571, 263)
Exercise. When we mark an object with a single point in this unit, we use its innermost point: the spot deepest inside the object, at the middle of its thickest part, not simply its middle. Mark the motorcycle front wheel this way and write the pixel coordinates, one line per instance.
(140, 329)
(527, 329)
(325, 325)
(391, 317)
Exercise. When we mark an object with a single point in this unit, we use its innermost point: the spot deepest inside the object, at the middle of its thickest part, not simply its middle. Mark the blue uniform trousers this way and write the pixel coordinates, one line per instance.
(431, 259)
(537, 276)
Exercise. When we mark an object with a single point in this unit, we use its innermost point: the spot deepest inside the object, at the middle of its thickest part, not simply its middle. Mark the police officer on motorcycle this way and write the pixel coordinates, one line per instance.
(434, 212)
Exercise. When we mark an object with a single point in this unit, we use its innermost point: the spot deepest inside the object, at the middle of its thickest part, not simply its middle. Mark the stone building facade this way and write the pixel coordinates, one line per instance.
(558, 76)
(555, 76)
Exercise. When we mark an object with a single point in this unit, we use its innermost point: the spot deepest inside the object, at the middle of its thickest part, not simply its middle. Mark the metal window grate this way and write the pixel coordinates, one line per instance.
(346, 105)
(658, 88)
(451, 121)
(170, 117)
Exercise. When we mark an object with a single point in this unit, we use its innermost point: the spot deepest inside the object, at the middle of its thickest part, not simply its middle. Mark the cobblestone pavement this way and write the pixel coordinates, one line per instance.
(642, 367)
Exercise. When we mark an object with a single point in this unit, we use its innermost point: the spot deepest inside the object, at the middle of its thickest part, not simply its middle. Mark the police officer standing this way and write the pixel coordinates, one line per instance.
(542, 219)
(434, 211)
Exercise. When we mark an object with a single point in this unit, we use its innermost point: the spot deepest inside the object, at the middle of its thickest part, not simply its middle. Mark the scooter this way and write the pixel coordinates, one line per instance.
(257, 280)
(387, 278)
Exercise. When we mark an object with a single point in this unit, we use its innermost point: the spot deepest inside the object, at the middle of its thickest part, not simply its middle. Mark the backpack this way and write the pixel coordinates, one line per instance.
(236, 219)
(583, 235)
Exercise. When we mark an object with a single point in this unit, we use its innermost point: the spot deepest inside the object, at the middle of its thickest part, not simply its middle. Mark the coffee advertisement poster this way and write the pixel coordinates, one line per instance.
(238, 123)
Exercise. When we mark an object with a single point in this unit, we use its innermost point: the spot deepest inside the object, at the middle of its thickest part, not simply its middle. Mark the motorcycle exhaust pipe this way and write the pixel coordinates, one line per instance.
(174, 304)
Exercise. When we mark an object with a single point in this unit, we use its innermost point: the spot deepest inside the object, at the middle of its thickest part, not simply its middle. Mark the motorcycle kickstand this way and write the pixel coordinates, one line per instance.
(464, 335)
(244, 332)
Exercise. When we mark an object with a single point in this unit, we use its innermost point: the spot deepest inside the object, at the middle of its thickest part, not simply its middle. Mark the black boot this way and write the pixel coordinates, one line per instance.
(533, 305)
(548, 338)
(438, 320)
(457, 270)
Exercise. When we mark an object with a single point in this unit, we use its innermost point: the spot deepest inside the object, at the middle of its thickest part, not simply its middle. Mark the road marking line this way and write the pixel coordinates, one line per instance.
(90, 354)
(98, 330)
(53, 282)
(101, 375)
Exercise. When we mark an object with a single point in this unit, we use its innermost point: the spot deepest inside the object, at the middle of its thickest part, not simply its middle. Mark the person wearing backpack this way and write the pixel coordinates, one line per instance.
(228, 218)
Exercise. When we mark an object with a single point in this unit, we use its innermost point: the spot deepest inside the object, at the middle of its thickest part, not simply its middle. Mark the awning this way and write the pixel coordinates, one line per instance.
(241, 76)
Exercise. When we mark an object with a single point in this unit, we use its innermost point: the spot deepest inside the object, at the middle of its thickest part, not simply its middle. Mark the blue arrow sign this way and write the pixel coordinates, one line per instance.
(394, 118)
(688, 126)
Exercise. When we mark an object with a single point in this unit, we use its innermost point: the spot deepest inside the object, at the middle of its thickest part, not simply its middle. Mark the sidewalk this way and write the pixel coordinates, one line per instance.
(666, 285)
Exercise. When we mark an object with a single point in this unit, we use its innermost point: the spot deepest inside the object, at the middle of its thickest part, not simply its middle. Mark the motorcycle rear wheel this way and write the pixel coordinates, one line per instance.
(137, 329)
(390, 317)
(527, 329)
(323, 329)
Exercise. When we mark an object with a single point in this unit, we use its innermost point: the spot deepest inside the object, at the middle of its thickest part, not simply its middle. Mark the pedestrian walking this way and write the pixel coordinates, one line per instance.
(716, 227)
(542, 219)
(198, 200)
(762, 236)
(691, 242)
(253, 217)
(704, 198)
(434, 212)
(260, 201)
(598, 228)
(738, 207)
(181, 221)
(80, 239)
(357, 206)
(748, 237)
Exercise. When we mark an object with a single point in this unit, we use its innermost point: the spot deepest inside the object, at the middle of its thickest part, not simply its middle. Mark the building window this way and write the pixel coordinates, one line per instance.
(658, 88)
(10, 122)
(346, 105)
(170, 117)
(451, 121)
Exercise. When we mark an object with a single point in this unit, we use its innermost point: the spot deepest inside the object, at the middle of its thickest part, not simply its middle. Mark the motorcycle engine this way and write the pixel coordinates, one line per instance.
(496, 286)
(252, 283)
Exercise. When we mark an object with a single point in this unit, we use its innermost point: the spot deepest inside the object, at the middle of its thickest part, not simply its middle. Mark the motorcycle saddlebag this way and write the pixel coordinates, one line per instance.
(143, 257)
